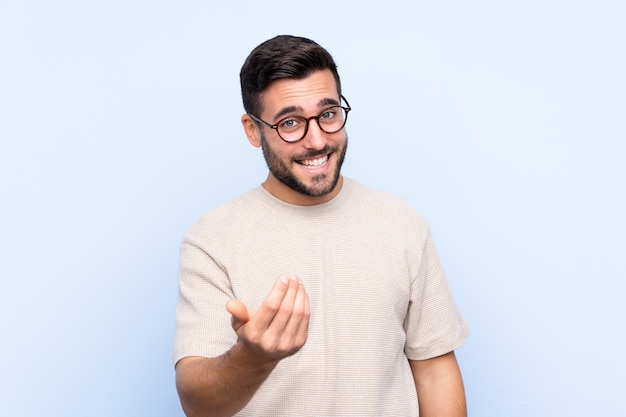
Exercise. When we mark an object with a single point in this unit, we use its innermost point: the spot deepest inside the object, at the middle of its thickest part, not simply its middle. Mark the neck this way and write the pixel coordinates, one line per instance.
(282, 192)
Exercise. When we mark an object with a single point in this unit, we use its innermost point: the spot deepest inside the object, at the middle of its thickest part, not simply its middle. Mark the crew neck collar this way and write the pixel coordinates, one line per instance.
(315, 208)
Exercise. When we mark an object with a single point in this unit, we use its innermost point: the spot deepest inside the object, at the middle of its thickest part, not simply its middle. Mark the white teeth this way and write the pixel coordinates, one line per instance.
(315, 163)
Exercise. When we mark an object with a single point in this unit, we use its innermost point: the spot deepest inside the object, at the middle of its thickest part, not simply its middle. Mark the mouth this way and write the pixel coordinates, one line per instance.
(316, 163)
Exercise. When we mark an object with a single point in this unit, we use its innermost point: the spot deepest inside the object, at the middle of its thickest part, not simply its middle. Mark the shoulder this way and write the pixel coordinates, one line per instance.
(227, 217)
(387, 214)
(383, 204)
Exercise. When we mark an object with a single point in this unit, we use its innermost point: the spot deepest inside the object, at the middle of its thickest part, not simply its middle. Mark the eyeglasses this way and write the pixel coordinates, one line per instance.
(293, 128)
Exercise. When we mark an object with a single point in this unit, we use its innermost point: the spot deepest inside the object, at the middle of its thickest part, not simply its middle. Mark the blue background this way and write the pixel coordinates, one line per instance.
(502, 122)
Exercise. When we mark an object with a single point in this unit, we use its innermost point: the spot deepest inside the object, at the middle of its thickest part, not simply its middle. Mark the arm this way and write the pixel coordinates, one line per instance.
(439, 386)
(224, 385)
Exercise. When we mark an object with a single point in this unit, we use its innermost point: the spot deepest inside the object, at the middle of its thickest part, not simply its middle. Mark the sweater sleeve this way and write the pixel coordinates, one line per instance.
(433, 325)
(202, 322)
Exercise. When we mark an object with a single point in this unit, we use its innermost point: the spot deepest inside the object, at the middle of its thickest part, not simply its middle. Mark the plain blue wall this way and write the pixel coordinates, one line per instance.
(504, 124)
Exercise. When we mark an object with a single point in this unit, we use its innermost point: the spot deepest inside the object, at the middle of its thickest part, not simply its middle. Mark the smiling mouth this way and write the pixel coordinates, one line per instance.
(314, 163)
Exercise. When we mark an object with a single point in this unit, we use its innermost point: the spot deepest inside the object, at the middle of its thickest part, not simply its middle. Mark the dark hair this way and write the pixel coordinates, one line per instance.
(282, 57)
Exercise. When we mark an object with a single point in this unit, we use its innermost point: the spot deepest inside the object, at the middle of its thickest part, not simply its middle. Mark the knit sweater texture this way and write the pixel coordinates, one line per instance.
(377, 291)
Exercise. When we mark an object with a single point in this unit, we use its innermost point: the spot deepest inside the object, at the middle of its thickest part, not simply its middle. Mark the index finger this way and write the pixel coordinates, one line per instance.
(274, 299)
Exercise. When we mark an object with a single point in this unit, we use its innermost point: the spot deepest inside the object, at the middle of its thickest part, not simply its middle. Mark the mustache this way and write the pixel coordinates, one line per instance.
(315, 154)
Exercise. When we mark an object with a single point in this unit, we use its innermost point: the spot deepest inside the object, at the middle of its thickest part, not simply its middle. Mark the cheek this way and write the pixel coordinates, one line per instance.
(275, 156)
(279, 153)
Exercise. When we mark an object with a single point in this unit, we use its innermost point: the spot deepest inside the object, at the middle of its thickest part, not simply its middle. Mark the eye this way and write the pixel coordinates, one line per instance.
(328, 114)
(289, 123)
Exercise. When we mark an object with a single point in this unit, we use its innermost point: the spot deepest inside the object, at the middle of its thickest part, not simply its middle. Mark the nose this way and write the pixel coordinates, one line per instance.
(315, 137)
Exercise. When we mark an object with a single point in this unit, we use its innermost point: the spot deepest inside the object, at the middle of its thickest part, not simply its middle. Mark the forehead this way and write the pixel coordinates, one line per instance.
(302, 95)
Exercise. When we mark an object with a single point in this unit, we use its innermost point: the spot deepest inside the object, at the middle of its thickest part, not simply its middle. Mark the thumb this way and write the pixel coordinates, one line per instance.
(239, 313)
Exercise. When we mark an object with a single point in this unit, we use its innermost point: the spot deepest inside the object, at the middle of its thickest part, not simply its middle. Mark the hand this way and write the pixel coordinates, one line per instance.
(280, 327)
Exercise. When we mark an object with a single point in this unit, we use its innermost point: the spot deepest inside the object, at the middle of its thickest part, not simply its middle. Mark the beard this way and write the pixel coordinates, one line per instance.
(321, 184)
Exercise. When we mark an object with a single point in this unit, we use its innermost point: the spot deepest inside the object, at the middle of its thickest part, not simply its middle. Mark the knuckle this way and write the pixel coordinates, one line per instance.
(300, 341)
(285, 310)
(301, 313)
(272, 308)
(253, 334)
(297, 315)
(286, 348)
(269, 346)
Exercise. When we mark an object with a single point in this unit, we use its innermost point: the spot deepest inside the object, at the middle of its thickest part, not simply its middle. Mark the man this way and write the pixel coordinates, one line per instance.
(312, 295)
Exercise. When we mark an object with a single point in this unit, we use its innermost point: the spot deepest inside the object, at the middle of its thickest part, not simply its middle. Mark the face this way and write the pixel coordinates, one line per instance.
(308, 171)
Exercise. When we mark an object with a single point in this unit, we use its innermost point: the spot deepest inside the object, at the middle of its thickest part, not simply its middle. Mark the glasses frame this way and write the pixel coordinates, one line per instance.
(346, 108)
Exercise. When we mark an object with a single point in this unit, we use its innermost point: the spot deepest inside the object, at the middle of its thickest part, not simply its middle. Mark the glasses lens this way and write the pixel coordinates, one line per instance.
(292, 129)
(333, 119)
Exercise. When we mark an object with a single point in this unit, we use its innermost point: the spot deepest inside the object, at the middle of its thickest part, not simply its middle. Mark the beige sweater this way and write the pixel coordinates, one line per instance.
(377, 291)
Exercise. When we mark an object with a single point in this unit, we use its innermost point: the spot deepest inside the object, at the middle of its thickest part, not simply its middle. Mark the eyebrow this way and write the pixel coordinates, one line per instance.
(291, 109)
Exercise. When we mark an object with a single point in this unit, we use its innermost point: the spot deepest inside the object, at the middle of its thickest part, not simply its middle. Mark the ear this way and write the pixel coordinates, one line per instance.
(251, 130)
